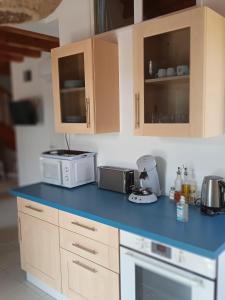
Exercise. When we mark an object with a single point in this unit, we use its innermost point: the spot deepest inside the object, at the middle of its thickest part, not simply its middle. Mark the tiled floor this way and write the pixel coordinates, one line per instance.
(13, 284)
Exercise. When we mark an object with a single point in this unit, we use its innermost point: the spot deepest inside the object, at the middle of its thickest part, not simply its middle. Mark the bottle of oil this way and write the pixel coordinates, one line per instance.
(186, 187)
(178, 185)
(193, 187)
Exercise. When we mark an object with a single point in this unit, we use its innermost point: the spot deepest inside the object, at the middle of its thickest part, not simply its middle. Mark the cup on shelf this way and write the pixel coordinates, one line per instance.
(161, 73)
(171, 72)
(182, 70)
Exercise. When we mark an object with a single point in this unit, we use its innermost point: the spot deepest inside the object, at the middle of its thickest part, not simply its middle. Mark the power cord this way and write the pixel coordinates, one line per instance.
(67, 142)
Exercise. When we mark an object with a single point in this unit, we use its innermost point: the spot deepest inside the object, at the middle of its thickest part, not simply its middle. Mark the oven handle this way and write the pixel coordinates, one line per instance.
(166, 273)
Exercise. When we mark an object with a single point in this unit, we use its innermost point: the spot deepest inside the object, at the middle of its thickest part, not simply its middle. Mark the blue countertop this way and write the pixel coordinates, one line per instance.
(203, 235)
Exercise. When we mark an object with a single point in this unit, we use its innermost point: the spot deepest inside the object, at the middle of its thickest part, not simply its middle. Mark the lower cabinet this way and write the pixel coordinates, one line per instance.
(81, 264)
(39, 246)
(83, 279)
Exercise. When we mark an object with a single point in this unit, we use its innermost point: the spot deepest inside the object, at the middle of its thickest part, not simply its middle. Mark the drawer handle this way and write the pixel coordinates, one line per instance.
(84, 248)
(84, 226)
(34, 208)
(77, 262)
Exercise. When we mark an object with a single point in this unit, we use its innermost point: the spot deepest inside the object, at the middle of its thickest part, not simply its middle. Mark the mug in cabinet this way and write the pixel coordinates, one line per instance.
(170, 72)
(161, 73)
(182, 70)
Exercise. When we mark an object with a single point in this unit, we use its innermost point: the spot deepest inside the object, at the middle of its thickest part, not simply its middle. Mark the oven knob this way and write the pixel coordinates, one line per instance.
(66, 178)
(140, 243)
(181, 258)
(66, 169)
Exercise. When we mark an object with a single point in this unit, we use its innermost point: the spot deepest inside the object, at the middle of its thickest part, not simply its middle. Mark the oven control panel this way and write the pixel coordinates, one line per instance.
(184, 259)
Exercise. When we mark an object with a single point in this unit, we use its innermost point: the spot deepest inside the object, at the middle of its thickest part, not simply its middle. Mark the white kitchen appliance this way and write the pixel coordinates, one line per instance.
(68, 168)
(152, 270)
(149, 181)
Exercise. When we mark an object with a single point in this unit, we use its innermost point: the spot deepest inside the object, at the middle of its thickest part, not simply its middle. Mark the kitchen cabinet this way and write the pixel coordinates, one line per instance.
(71, 254)
(85, 87)
(39, 248)
(89, 258)
(91, 229)
(191, 104)
(83, 279)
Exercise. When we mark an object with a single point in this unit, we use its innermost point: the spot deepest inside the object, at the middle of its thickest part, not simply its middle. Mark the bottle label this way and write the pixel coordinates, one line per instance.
(180, 213)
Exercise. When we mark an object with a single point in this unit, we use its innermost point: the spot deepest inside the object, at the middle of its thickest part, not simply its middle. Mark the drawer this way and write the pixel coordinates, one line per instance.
(38, 210)
(85, 280)
(91, 229)
(95, 251)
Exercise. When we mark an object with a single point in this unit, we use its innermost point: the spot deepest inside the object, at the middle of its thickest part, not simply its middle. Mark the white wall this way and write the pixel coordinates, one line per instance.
(32, 140)
(75, 20)
(206, 156)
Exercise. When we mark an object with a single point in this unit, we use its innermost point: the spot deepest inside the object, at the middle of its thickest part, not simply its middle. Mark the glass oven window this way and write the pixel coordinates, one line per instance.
(151, 286)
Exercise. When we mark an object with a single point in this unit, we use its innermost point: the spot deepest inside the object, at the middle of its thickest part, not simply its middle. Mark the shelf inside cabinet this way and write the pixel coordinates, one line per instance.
(165, 80)
(71, 90)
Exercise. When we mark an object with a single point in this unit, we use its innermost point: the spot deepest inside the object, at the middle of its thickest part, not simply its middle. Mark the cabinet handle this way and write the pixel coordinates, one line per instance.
(84, 248)
(19, 230)
(137, 111)
(84, 226)
(77, 262)
(34, 208)
(87, 101)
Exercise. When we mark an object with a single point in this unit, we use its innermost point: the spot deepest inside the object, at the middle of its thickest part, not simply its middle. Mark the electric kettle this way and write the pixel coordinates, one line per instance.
(213, 195)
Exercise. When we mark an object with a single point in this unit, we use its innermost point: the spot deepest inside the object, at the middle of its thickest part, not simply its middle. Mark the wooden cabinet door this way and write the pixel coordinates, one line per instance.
(72, 80)
(167, 104)
(85, 280)
(40, 255)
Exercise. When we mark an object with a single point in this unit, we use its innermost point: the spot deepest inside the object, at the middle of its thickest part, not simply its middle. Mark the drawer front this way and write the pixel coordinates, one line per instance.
(84, 280)
(91, 229)
(38, 210)
(96, 252)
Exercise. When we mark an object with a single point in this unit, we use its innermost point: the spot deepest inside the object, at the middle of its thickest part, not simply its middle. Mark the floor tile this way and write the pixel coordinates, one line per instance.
(13, 290)
(39, 292)
(9, 259)
(16, 273)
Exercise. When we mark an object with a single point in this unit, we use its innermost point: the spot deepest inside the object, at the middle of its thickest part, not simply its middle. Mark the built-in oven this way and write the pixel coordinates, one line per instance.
(155, 271)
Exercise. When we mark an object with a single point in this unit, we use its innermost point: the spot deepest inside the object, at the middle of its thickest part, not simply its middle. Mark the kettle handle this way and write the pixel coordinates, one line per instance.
(222, 191)
(222, 183)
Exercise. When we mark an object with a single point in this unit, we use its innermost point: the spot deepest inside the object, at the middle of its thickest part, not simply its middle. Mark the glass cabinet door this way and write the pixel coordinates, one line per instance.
(166, 77)
(169, 75)
(72, 89)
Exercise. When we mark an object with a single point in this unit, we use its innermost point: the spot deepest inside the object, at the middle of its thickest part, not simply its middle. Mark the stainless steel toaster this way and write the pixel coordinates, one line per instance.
(115, 179)
(213, 195)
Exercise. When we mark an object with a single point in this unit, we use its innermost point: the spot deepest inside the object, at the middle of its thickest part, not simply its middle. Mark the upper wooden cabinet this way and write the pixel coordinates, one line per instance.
(85, 87)
(187, 104)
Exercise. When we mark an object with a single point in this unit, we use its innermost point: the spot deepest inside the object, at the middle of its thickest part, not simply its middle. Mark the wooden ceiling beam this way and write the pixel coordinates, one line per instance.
(24, 38)
(10, 57)
(20, 51)
(4, 67)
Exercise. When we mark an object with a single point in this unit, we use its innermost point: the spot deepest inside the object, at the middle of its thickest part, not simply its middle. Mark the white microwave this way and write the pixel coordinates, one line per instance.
(68, 168)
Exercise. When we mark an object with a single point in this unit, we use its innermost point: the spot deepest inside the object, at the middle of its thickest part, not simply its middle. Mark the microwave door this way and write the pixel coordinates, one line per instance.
(51, 171)
(144, 278)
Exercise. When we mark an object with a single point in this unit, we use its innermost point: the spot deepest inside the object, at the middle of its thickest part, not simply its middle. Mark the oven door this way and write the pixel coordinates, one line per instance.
(51, 170)
(144, 278)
